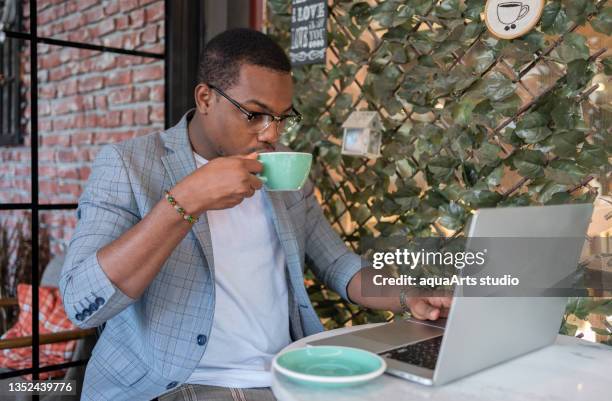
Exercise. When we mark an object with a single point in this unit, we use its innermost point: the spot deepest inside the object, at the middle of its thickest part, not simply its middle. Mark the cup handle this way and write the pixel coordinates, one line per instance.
(524, 11)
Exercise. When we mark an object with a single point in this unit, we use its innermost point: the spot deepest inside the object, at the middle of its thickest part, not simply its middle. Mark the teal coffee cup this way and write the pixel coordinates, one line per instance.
(284, 171)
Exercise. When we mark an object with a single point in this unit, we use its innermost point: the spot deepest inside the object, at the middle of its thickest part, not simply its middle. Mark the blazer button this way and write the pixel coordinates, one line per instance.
(86, 312)
(201, 339)
(100, 301)
(93, 307)
(171, 385)
(79, 317)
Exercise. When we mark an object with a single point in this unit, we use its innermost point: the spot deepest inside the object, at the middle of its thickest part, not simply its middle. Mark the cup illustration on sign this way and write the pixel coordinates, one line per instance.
(509, 12)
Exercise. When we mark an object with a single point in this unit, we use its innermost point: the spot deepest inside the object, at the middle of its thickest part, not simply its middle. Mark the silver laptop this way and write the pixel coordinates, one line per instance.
(484, 331)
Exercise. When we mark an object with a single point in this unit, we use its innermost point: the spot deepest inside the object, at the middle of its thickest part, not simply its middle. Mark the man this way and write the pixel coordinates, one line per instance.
(197, 309)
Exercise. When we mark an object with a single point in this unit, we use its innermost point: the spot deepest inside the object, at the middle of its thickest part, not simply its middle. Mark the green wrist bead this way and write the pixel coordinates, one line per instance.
(187, 217)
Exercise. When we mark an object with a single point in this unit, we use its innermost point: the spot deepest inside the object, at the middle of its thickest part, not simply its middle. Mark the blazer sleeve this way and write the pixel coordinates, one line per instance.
(331, 260)
(107, 208)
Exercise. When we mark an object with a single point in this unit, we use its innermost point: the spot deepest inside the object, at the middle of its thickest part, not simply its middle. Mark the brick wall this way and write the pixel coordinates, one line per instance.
(85, 99)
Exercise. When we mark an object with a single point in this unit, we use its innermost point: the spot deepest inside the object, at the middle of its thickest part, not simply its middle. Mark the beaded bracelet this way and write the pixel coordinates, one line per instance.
(402, 299)
(180, 210)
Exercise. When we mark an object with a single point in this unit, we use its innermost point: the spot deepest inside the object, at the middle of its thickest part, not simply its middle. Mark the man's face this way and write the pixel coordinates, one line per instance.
(258, 89)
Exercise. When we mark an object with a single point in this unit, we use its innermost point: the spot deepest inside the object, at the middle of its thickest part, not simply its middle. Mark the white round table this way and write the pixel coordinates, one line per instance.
(570, 369)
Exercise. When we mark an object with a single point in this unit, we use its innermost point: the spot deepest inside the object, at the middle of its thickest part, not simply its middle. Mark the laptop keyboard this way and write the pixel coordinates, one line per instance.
(423, 354)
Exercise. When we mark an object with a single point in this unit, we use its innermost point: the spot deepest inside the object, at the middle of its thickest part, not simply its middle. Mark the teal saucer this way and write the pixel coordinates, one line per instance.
(329, 366)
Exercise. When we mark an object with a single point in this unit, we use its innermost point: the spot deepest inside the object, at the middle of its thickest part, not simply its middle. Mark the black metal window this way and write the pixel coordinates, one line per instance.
(10, 106)
(10, 97)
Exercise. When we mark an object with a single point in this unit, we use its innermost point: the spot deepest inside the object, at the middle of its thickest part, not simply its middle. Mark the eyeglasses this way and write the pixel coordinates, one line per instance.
(259, 122)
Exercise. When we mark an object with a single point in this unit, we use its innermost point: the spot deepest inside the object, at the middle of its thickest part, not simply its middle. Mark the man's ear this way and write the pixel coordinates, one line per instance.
(203, 97)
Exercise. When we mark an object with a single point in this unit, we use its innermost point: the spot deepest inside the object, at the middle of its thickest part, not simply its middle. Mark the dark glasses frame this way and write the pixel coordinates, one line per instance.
(253, 114)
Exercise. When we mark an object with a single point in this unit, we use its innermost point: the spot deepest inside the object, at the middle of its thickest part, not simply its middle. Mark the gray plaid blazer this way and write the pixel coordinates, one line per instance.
(152, 344)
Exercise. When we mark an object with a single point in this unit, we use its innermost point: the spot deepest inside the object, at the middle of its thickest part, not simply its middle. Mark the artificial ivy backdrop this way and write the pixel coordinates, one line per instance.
(470, 120)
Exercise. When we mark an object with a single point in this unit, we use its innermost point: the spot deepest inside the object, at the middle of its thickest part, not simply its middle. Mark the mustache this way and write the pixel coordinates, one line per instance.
(262, 149)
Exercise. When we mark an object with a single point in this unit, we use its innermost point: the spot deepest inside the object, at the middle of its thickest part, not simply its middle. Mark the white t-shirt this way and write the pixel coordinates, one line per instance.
(251, 320)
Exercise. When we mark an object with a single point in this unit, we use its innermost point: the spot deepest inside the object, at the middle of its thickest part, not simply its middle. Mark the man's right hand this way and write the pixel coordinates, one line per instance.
(222, 183)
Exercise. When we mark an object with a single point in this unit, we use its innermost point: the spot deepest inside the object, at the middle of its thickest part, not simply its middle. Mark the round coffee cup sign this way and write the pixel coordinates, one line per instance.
(509, 19)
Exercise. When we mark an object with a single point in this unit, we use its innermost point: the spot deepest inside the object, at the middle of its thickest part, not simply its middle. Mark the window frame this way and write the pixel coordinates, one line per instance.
(34, 206)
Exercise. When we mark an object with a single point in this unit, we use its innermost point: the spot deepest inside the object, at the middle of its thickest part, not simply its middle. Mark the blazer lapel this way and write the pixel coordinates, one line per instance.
(286, 235)
(179, 163)
(300, 308)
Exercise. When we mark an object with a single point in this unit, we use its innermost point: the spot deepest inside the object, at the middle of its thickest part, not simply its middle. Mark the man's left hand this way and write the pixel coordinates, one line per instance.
(429, 308)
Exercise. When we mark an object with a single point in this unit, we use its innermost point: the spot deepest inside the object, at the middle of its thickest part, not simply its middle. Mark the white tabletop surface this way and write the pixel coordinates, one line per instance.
(570, 369)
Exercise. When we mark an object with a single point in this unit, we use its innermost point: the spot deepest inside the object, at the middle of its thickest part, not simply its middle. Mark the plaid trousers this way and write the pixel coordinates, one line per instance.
(196, 392)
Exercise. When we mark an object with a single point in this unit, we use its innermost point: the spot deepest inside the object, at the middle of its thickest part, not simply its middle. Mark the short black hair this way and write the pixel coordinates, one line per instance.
(224, 54)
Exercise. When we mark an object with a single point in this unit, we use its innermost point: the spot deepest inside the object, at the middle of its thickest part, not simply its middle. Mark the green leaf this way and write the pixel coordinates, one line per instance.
(565, 143)
(481, 198)
(453, 191)
(449, 9)
(533, 119)
(554, 20)
(382, 85)
(508, 106)
(549, 190)
(344, 101)
(385, 168)
(361, 12)
(535, 40)
(483, 58)
(578, 10)
(533, 135)
(405, 168)
(497, 86)
(572, 48)
(407, 202)
(578, 73)
(422, 43)
(529, 162)
(565, 171)
(435, 198)
(516, 200)
(338, 38)
(392, 13)
(532, 128)
(603, 21)
(358, 51)
(462, 112)
(452, 216)
(404, 131)
(470, 174)
(409, 189)
(331, 155)
(396, 34)
(488, 153)
(398, 53)
(564, 113)
(473, 9)
(442, 167)
(592, 156)
(495, 177)
(472, 30)
(360, 213)
(607, 64)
